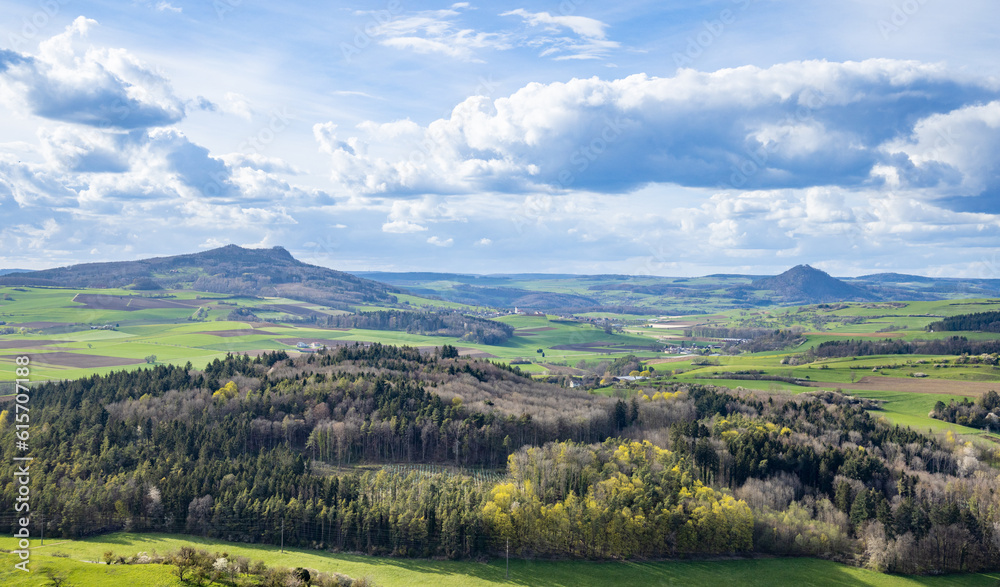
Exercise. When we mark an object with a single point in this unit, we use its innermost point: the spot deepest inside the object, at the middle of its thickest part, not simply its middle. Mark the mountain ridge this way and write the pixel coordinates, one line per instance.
(230, 269)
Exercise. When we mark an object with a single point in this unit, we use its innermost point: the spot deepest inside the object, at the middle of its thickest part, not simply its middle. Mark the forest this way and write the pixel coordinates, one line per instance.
(980, 321)
(386, 450)
(469, 328)
(954, 345)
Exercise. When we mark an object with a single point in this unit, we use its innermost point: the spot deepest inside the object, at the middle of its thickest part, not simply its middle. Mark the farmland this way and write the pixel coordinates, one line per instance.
(72, 556)
(71, 333)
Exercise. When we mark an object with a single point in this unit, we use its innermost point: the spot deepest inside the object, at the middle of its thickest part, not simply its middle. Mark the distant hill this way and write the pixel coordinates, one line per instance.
(805, 284)
(895, 278)
(9, 271)
(230, 269)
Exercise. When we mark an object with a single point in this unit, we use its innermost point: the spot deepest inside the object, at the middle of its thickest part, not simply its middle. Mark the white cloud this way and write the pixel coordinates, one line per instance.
(438, 242)
(592, 42)
(106, 88)
(436, 31)
(237, 104)
(402, 227)
(950, 150)
(790, 125)
(483, 242)
(167, 6)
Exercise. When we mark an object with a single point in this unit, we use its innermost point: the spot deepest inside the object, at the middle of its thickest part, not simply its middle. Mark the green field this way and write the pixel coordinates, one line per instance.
(57, 324)
(66, 556)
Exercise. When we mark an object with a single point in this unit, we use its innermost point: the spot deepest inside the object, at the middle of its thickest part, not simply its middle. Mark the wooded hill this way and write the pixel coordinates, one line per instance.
(253, 446)
(469, 328)
(230, 269)
(804, 284)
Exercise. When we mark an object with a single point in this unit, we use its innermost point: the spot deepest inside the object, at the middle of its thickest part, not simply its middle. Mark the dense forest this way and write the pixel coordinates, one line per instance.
(386, 450)
(955, 345)
(980, 321)
(455, 324)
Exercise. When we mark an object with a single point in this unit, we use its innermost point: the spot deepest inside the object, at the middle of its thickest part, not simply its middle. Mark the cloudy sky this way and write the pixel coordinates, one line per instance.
(639, 137)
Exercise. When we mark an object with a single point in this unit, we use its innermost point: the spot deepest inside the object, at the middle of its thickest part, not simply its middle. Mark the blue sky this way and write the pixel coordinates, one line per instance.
(664, 138)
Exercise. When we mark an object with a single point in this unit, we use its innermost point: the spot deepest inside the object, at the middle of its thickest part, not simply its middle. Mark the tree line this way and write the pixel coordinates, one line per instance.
(455, 324)
(982, 413)
(979, 321)
(954, 345)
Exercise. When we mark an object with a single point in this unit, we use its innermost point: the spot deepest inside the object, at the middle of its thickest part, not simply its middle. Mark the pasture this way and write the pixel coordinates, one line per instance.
(72, 333)
(68, 556)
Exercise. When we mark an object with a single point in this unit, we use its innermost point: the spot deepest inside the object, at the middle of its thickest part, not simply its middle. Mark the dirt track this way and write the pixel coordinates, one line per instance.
(914, 385)
(9, 343)
(81, 361)
(133, 303)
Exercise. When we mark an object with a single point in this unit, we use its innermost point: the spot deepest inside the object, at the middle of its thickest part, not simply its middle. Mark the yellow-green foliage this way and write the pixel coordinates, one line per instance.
(227, 391)
(629, 499)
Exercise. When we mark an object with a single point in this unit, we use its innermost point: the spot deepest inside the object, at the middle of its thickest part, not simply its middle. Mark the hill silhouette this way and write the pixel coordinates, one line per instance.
(805, 284)
(230, 269)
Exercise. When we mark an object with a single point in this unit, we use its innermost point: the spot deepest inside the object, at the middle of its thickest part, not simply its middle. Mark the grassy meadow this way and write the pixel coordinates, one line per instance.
(68, 556)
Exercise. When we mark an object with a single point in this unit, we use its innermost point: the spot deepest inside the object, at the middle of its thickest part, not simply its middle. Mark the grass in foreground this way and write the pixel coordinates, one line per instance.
(391, 572)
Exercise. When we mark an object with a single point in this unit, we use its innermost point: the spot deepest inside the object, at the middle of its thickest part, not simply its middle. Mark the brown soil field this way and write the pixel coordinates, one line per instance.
(462, 351)
(475, 353)
(289, 309)
(27, 344)
(133, 303)
(915, 385)
(64, 359)
(326, 341)
(536, 329)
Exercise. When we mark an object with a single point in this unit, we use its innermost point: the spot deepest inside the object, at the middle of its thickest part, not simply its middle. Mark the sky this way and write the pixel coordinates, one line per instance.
(631, 137)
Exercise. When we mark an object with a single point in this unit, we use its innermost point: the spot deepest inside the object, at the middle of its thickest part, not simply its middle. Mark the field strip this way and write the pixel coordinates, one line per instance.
(913, 385)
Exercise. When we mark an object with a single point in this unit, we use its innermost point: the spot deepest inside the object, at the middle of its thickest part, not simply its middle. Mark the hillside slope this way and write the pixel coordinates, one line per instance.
(805, 284)
(230, 269)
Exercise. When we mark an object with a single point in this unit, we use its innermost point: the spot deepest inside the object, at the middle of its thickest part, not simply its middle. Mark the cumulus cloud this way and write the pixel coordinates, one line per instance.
(954, 152)
(791, 125)
(413, 215)
(99, 87)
